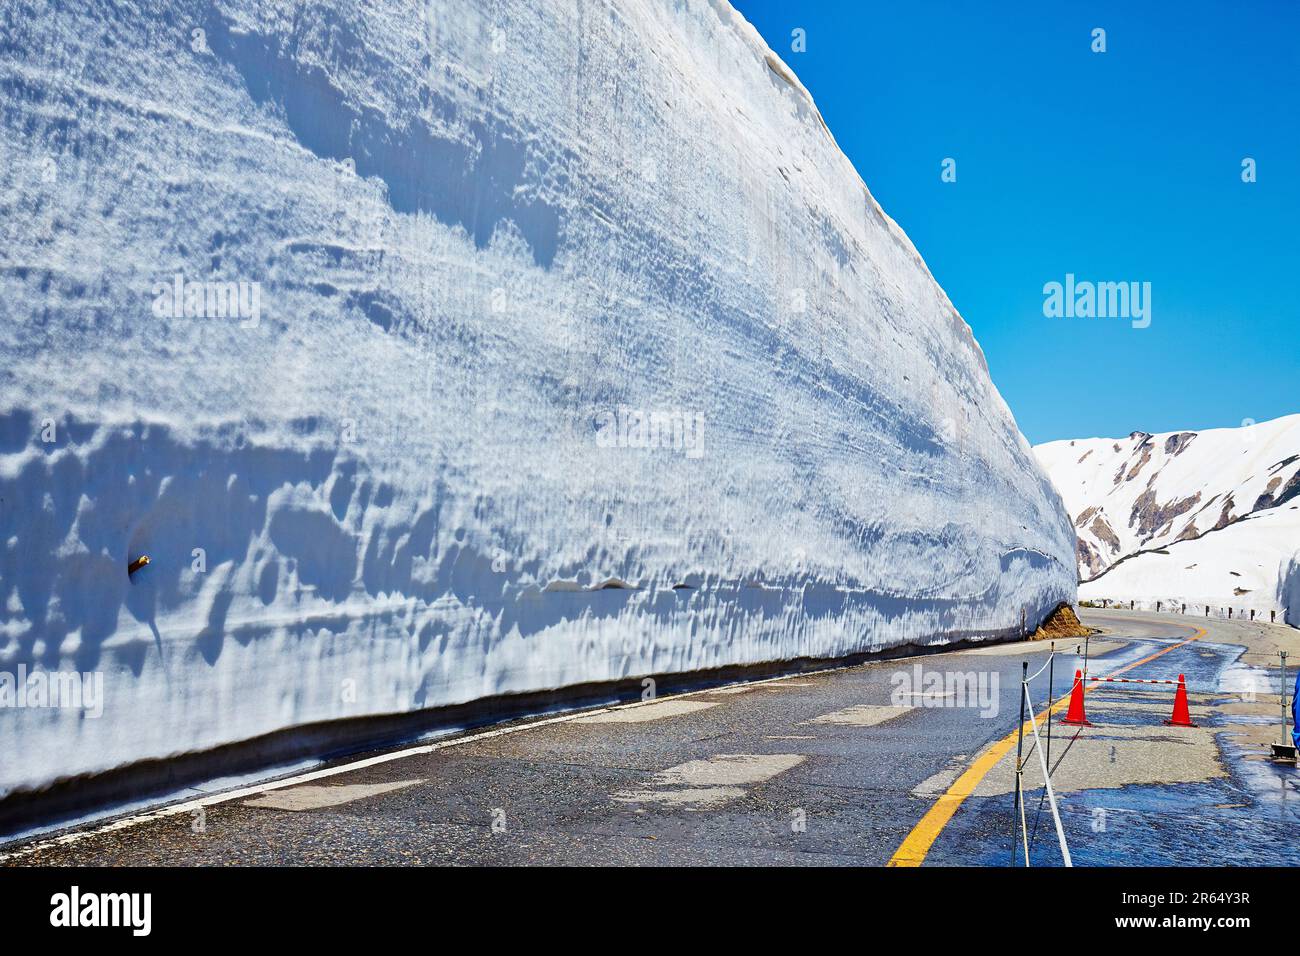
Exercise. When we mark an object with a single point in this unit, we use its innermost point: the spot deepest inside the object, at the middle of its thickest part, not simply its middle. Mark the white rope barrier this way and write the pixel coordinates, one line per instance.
(1024, 831)
(1047, 780)
(1050, 658)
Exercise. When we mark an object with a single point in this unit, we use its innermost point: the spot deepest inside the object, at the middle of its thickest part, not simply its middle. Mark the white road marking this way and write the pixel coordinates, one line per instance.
(729, 770)
(861, 715)
(692, 798)
(708, 783)
(755, 685)
(310, 797)
(938, 783)
(656, 710)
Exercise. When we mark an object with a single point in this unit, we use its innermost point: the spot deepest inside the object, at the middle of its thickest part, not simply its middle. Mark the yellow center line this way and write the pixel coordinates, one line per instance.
(913, 849)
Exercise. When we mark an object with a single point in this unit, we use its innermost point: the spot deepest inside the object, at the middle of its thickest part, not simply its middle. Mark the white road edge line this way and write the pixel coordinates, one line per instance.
(190, 806)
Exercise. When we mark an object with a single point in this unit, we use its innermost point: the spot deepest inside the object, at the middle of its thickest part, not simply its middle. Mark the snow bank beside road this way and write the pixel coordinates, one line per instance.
(1208, 518)
(1247, 566)
(479, 237)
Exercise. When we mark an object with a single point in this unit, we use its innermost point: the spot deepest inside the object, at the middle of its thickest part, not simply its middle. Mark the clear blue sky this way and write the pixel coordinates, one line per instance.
(1123, 165)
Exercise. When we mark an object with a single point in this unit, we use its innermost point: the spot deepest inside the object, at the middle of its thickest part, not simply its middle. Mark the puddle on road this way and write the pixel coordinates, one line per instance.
(1201, 824)
(1163, 806)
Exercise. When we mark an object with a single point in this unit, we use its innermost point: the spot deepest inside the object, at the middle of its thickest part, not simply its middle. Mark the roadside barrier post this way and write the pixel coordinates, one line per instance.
(1051, 699)
(1285, 752)
(1020, 743)
(1282, 695)
(1044, 761)
(1051, 702)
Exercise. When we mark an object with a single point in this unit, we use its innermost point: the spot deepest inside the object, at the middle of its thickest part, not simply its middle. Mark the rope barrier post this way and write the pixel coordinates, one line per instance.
(1283, 696)
(1051, 797)
(1020, 743)
(1051, 668)
(1051, 701)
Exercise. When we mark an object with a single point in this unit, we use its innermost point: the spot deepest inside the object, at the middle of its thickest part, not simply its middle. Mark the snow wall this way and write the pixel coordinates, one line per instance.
(446, 350)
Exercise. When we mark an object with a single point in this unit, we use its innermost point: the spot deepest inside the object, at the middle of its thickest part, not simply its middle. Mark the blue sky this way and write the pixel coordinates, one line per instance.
(1115, 166)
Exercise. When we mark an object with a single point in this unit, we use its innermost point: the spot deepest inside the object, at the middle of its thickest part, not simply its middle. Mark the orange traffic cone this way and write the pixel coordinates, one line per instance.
(1182, 717)
(1075, 715)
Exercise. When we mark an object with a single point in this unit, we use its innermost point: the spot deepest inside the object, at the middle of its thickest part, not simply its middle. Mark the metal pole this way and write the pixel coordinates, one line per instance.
(1283, 696)
(1051, 700)
(1051, 666)
(1020, 742)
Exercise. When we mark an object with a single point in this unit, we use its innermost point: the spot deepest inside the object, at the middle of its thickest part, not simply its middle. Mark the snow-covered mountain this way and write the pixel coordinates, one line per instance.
(1201, 518)
(440, 350)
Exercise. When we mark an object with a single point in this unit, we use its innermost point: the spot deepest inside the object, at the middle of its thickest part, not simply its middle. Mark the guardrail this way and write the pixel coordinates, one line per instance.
(1269, 615)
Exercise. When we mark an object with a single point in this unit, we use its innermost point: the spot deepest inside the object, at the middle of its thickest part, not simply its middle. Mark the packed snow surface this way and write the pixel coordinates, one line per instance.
(1207, 519)
(434, 351)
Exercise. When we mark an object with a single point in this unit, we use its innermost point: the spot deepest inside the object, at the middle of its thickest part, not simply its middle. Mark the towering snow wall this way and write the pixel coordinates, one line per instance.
(433, 351)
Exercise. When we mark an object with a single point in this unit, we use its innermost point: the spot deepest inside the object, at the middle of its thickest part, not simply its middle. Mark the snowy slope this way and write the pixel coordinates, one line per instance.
(1253, 564)
(1204, 518)
(569, 347)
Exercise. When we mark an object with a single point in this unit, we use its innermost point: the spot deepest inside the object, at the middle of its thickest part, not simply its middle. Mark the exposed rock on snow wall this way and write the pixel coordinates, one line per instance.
(470, 243)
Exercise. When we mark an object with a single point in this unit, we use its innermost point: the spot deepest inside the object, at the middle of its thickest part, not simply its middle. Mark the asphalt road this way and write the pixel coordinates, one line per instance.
(832, 768)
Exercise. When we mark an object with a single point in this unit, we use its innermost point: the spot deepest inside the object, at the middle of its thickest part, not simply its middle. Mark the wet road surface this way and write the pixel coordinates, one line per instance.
(831, 768)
